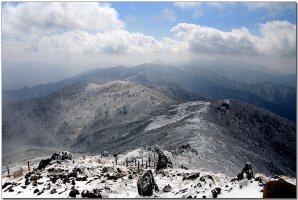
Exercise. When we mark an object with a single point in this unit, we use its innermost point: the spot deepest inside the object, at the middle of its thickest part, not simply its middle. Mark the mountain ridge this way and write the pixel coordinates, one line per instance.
(120, 116)
(182, 84)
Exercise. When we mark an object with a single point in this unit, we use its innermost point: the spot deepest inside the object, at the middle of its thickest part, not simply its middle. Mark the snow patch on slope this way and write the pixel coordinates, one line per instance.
(181, 113)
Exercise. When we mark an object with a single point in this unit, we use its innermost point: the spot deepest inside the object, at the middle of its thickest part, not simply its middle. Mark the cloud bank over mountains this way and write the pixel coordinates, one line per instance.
(276, 38)
(85, 33)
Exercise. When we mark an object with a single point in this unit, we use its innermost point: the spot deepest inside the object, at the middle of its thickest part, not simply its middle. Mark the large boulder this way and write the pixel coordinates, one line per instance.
(55, 156)
(105, 154)
(279, 189)
(146, 184)
(43, 163)
(73, 193)
(64, 155)
(247, 170)
(163, 161)
(215, 192)
(94, 194)
(192, 176)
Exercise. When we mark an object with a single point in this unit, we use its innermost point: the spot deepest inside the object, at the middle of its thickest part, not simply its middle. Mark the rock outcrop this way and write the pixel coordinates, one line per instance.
(64, 155)
(163, 161)
(146, 184)
(247, 169)
(279, 189)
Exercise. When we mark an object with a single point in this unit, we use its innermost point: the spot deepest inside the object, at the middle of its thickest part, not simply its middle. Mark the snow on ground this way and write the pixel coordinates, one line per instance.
(119, 181)
(182, 113)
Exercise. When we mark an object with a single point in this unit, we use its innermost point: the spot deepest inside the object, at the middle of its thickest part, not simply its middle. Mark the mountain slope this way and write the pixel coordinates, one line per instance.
(224, 133)
(182, 84)
(57, 119)
(246, 73)
(121, 116)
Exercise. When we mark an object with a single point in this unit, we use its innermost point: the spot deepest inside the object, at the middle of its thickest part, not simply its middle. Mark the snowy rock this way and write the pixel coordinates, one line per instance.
(105, 154)
(64, 155)
(167, 188)
(53, 191)
(146, 184)
(215, 192)
(58, 180)
(163, 161)
(73, 193)
(262, 181)
(207, 179)
(94, 194)
(192, 176)
(5, 184)
(247, 169)
(279, 189)
(60, 156)
(44, 163)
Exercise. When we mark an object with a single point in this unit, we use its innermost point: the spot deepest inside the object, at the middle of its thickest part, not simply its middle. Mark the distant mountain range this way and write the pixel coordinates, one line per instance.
(122, 115)
(188, 83)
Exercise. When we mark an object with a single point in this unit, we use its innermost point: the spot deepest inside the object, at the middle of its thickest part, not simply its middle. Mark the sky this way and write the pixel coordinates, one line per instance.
(49, 41)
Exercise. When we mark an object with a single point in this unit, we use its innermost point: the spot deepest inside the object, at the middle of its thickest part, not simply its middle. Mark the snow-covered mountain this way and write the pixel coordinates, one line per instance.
(184, 83)
(58, 119)
(219, 135)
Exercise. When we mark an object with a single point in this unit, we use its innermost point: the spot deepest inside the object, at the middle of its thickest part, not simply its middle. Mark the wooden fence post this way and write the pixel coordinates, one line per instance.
(138, 166)
(135, 162)
(146, 164)
(126, 162)
(149, 161)
(28, 166)
(142, 162)
(8, 170)
(154, 160)
(116, 159)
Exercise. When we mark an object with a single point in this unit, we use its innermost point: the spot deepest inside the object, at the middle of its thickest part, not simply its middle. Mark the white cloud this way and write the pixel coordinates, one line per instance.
(166, 15)
(41, 18)
(273, 8)
(187, 4)
(201, 39)
(169, 15)
(73, 36)
(277, 38)
(197, 14)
